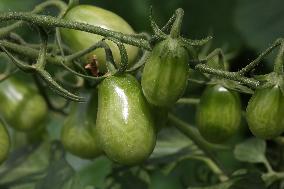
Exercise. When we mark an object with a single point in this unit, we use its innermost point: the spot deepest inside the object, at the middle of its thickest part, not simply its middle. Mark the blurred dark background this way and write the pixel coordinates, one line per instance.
(239, 26)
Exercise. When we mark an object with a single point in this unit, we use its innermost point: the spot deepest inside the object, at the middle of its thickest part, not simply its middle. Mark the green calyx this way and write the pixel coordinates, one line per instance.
(271, 80)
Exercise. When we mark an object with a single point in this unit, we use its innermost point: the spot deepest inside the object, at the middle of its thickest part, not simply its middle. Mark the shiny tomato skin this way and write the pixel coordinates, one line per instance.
(125, 126)
(218, 114)
(79, 40)
(165, 74)
(265, 112)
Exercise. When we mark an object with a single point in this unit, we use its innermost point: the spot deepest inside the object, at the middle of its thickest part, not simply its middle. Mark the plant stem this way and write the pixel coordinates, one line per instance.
(256, 62)
(175, 31)
(188, 101)
(194, 135)
(279, 61)
(228, 75)
(4, 32)
(29, 52)
(268, 166)
(49, 21)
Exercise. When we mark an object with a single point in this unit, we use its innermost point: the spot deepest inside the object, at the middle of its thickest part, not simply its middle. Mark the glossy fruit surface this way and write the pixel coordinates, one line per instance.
(78, 132)
(165, 74)
(265, 112)
(21, 106)
(78, 40)
(125, 126)
(4, 143)
(218, 114)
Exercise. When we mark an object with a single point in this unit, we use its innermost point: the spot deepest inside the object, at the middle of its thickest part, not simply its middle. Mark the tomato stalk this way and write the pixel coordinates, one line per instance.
(256, 62)
(50, 21)
(176, 28)
(192, 101)
(29, 52)
(5, 31)
(228, 75)
(279, 61)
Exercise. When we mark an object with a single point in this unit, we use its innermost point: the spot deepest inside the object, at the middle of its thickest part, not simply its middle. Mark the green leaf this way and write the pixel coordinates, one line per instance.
(94, 174)
(129, 179)
(58, 174)
(25, 161)
(224, 185)
(252, 151)
(74, 183)
(170, 141)
(251, 181)
(162, 181)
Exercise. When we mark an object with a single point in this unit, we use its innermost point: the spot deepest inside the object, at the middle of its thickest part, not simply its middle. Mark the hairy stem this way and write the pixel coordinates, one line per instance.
(188, 101)
(228, 75)
(29, 52)
(175, 31)
(4, 32)
(279, 61)
(256, 62)
(49, 21)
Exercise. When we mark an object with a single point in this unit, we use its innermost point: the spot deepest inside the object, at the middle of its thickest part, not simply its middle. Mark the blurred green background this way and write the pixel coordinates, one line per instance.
(241, 27)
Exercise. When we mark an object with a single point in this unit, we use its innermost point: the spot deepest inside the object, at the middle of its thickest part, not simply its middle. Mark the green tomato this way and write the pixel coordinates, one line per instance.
(78, 132)
(125, 127)
(21, 106)
(265, 112)
(78, 40)
(218, 114)
(165, 74)
(4, 143)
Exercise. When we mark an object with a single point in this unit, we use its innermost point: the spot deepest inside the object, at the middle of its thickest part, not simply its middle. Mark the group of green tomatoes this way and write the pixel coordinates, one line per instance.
(122, 116)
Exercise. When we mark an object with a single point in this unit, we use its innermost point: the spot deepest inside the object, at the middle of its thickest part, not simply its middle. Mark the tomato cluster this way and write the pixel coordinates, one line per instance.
(121, 118)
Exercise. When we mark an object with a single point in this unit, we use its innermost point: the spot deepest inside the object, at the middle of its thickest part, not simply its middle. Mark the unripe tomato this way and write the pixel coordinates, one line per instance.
(78, 132)
(4, 143)
(218, 114)
(21, 106)
(165, 74)
(78, 40)
(265, 112)
(125, 127)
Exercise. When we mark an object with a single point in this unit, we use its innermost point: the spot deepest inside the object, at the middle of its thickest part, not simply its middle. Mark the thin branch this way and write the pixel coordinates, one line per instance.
(256, 62)
(235, 76)
(188, 101)
(39, 8)
(49, 21)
